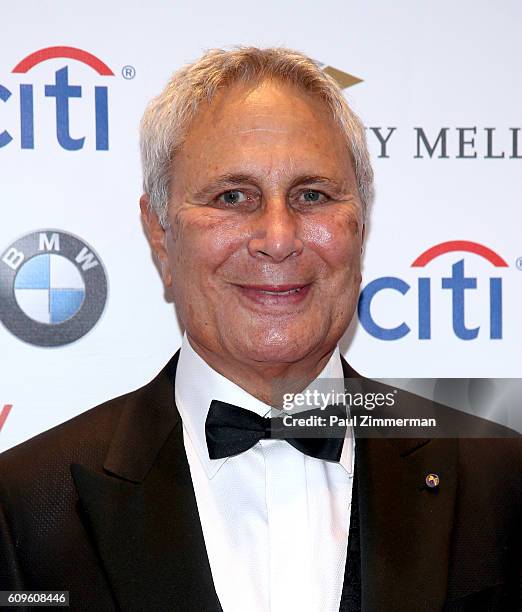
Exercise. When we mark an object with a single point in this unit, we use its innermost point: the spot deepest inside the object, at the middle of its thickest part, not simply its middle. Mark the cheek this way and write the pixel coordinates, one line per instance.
(336, 237)
(204, 240)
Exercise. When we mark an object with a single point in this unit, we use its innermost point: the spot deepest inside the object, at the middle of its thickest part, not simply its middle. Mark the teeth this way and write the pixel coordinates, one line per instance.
(282, 292)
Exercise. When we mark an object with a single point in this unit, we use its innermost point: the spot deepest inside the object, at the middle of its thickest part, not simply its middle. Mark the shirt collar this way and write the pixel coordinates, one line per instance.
(197, 384)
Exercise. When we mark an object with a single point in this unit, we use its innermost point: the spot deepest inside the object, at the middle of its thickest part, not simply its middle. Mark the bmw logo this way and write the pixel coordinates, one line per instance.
(53, 288)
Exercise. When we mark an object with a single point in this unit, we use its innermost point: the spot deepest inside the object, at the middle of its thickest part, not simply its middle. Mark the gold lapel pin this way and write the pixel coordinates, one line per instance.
(432, 481)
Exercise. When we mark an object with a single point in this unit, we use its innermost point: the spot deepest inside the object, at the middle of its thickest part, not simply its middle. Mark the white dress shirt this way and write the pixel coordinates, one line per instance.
(275, 521)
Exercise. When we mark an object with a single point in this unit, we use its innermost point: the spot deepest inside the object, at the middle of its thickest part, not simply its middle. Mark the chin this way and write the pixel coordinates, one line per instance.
(275, 347)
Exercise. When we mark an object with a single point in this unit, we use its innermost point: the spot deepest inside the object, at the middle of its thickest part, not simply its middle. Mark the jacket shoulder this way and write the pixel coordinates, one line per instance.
(74, 439)
(83, 439)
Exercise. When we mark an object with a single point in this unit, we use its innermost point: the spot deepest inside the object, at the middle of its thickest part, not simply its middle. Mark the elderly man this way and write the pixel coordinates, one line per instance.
(257, 182)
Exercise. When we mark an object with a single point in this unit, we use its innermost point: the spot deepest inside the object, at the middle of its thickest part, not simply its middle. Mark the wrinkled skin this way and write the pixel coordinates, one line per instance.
(288, 213)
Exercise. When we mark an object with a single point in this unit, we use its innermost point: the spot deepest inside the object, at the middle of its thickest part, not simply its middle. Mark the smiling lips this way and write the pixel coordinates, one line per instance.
(274, 295)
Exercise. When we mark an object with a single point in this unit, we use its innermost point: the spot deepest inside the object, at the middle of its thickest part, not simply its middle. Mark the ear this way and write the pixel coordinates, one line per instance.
(156, 236)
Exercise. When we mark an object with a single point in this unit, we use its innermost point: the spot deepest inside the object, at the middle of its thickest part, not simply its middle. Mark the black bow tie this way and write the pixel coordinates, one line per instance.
(231, 430)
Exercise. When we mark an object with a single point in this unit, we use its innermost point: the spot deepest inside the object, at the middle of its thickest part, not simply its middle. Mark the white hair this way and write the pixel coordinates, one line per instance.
(167, 118)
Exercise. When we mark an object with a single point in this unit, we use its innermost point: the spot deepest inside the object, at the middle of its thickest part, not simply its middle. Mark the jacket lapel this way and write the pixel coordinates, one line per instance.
(405, 526)
(142, 511)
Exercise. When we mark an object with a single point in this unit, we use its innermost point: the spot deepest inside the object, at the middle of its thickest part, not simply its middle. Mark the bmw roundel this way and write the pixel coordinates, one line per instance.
(53, 288)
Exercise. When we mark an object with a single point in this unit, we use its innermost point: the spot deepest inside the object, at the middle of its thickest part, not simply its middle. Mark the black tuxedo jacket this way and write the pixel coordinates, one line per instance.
(103, 506)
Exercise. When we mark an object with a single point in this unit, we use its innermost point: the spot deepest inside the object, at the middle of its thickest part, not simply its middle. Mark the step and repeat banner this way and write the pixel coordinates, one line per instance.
(82, 313)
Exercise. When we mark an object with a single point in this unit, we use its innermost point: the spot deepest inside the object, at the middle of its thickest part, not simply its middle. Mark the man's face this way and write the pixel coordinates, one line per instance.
(263, 249)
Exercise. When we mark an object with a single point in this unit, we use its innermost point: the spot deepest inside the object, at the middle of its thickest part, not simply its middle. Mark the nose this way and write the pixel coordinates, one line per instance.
(275, 233)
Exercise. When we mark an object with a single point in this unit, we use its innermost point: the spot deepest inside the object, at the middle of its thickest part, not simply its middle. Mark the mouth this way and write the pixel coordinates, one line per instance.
(275, 295)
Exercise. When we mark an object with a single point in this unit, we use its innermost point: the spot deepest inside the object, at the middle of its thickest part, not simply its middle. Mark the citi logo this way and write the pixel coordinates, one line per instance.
(61, 91)
(457, 283)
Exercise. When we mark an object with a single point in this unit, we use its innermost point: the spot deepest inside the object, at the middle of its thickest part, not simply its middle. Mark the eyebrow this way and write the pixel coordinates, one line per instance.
(230, 179)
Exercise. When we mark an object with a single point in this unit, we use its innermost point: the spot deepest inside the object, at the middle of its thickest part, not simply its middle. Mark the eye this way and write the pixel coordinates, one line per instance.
(232, 197)
(311, 196)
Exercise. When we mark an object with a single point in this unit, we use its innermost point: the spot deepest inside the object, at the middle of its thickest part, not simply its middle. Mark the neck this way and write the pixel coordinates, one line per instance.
(267, 381)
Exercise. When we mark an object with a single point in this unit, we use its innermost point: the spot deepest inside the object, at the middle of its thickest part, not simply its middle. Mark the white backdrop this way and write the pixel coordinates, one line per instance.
(424, 67)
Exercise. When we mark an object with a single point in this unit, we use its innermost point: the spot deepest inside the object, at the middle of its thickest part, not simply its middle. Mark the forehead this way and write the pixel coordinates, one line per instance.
(269, 102)
(272, 120)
